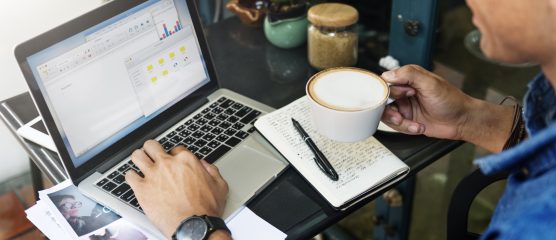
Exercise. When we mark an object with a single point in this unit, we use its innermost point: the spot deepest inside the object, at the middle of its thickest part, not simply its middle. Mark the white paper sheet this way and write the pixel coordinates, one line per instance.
(104, 224)
(41, 218)
(246, 225)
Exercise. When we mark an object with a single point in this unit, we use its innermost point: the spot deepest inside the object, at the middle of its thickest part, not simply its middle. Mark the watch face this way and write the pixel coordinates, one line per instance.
(195, 228)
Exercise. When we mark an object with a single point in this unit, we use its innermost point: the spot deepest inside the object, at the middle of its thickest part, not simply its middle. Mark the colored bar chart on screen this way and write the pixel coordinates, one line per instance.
(167, 23)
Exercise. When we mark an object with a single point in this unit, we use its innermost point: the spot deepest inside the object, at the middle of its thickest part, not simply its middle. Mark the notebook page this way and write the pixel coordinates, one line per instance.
(360, 165)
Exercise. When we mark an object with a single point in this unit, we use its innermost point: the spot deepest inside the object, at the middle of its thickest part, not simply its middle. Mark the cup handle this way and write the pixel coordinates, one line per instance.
(390, 100)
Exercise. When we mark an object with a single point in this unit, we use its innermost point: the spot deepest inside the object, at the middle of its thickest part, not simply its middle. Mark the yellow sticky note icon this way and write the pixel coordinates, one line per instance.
(150, 67)
(161, 61)
(172, 55)
(153, 79)
(165, 72)
(182, 49)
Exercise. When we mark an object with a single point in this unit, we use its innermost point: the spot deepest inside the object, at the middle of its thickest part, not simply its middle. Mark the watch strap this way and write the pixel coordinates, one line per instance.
(215, 223)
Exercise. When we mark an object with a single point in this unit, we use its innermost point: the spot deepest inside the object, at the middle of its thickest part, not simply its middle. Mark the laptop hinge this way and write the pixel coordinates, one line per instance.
(125, 152)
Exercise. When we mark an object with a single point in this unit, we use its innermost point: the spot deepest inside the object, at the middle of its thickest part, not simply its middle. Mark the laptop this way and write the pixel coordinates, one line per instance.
(130, 71)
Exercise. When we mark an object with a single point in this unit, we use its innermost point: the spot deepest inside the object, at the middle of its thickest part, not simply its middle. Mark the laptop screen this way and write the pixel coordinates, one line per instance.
(106, 81)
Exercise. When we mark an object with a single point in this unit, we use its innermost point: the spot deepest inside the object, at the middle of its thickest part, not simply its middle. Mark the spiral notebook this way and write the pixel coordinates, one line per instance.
(364, 167)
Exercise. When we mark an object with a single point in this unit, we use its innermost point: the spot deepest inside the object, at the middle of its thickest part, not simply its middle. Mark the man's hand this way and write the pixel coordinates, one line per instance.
(176, 186)
(427, 104)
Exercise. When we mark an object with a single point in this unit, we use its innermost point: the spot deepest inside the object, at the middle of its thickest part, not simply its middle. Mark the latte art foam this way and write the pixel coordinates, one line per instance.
(348, 89)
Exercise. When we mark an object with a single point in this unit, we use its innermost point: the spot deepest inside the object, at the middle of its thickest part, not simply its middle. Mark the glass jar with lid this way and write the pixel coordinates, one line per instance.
(332, 40)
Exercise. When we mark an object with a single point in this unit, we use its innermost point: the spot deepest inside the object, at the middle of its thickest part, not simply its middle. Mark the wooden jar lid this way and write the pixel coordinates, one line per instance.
(333, 15)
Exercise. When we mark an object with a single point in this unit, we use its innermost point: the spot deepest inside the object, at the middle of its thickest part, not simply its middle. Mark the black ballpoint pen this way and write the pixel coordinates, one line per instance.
(320, 159)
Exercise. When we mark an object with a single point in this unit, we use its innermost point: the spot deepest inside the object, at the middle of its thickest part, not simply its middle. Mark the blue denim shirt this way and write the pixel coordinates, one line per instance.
(527, 209)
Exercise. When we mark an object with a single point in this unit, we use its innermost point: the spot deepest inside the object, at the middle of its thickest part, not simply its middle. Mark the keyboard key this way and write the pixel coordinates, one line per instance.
(212, 144)
(213, 105)
(121, 190)
(217, 110)
(222, 99)
(225, 125)
(198, 134)
(233, 141)
(230, 111)
(205, 150)
(252, 115)
(238, 126)
(184, 133)
(232, 119)
(206, 128)
(227, 103)
(113, 174)
(168, 145)
(134, 202)
(251, 130)
(194, 117)
(201, 121)
(171, 134)
(119, 179)
(189, 140)
(180, 128)
(217, 153)
(222, 138)
(206, 110)
(230, 132)
(123, 168)
(242, 134)
(162, 140)
(176, 139)
(200, 143)
(244, 111)
(102, 182)
(237, 106)
(193, 148)
(209, 116)
(109, 186)
(209, 136)
(192, 127)
(214, 122)
(222, 117)
(216, 131)
(128, 196)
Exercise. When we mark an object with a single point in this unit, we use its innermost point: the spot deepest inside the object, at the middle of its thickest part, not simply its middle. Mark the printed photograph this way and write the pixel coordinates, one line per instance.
(82, 214)
(119, 230)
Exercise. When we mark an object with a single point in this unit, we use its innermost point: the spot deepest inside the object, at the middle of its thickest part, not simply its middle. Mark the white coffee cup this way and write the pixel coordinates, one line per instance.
(347, 103)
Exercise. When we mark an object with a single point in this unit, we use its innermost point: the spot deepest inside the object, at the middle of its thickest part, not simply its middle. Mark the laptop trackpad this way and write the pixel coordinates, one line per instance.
(246, 170)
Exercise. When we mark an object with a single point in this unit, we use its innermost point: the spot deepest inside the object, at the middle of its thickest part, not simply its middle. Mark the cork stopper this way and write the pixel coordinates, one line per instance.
(333, 15)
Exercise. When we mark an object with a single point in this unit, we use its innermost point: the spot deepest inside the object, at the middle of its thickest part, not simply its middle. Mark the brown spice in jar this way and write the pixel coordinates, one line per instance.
(334, 49)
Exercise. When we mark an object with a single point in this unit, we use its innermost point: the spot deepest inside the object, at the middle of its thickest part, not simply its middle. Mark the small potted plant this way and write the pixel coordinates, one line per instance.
(285, 24)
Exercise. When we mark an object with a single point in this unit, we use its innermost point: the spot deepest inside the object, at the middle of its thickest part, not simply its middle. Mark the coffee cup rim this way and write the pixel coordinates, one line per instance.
(334, 69)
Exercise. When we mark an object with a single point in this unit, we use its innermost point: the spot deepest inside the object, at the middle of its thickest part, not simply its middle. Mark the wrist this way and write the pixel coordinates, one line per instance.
(487, 124)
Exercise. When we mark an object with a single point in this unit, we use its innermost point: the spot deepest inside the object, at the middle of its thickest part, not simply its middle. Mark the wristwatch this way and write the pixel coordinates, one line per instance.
(199, 227)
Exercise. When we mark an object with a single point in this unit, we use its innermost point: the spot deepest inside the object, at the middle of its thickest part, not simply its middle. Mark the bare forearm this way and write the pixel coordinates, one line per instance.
(488, 125)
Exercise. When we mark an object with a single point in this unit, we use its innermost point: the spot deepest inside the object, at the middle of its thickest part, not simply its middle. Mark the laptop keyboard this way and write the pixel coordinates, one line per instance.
(209, 135)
